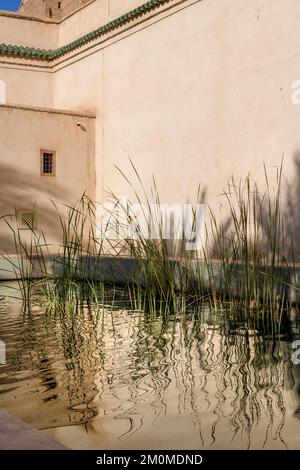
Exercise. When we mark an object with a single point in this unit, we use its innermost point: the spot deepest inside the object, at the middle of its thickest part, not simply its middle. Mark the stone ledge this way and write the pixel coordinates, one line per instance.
(124, 270)
(49, 110)
(17, 435)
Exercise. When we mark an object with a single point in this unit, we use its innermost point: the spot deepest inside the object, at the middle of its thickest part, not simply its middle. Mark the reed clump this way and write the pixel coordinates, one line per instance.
(254, 256)
(245, 263)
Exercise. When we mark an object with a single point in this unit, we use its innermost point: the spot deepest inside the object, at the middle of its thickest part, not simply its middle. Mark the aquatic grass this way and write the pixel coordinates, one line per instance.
(242, 266)
(77, 264)
(54, 274)
(164, 272)
(29, 262)
(250, 248)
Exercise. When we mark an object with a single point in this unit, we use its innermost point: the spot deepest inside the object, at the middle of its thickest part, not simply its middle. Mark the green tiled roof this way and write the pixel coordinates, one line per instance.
(42, 54)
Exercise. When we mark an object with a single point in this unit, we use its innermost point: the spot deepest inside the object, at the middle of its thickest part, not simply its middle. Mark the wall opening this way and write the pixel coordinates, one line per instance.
(26, 219)
(48, 163)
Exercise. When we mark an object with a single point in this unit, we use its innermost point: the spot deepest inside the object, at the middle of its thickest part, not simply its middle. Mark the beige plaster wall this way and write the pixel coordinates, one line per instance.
(80, 87)
(29, 33)
(119, 7)
(23, 134)
(195, 97)
(26, 86)
(42, 8)
(85, 20)
(92, 17)
(204, 93)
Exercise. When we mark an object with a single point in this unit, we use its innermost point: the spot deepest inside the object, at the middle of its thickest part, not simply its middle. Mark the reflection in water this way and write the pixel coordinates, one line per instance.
(131, 380)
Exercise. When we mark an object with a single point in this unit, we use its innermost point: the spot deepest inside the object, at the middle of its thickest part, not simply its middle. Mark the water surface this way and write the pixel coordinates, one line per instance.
(130, 380)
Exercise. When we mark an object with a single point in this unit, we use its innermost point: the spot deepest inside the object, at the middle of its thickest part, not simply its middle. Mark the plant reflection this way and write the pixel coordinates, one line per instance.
(219, 383)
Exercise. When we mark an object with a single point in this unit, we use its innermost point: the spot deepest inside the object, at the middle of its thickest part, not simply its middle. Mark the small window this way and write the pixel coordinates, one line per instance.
(59, 5)
(48, 163)
(26, 220)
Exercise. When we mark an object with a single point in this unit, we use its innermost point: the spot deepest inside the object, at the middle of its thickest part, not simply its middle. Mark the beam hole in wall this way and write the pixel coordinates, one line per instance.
(48, 163)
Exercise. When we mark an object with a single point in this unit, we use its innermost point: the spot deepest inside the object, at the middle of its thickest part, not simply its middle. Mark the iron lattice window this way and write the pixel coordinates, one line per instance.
(48, 163)
(26, 220)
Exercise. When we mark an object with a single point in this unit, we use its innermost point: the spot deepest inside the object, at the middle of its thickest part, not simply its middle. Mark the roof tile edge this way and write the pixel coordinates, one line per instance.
(49, 55)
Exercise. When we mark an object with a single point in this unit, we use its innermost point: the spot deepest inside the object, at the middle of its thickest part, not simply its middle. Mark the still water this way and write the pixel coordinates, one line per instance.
(130, 380)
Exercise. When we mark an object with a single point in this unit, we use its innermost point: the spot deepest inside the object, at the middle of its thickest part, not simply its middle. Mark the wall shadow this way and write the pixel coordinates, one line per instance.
(288, 231)
(19, 191)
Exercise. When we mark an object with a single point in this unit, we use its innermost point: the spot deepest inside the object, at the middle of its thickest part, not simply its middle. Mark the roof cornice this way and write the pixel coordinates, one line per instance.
(52, 54)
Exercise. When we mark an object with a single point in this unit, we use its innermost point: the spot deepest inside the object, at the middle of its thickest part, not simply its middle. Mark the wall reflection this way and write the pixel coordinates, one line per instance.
(126, 378)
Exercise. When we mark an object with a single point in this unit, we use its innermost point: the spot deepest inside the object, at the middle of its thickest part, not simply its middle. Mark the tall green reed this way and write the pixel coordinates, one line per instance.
(243, 264)
(249, 249)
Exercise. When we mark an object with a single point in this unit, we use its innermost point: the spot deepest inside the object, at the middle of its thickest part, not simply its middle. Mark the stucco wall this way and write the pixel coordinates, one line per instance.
(119, 7)
(191, 97)
(92, 16)
(26, 32)
(26, 86)
(42, 8)
(196, 96)
(84, 21)
(23, 134)
(84, 92)
(204, 93)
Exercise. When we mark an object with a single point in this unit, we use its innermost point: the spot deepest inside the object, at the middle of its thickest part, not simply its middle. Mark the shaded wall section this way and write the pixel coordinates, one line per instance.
(24, 132)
